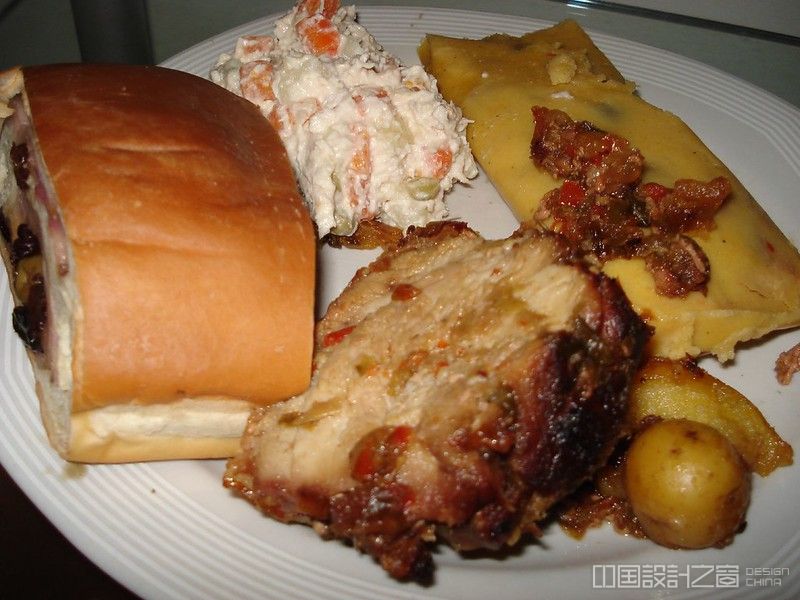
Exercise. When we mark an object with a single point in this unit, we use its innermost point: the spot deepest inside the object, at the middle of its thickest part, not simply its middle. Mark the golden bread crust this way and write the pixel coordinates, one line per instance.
(177, 256)
(193, 252)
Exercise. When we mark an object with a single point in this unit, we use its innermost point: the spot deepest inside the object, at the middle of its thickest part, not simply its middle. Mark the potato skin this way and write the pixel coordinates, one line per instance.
(673, 389)
(687, 484)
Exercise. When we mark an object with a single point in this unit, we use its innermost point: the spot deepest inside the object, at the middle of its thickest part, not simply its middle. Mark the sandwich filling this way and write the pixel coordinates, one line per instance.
(29, 214)
(31, 227)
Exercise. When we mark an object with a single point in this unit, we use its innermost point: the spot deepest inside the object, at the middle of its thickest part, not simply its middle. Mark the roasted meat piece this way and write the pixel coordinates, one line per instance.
(461, 387)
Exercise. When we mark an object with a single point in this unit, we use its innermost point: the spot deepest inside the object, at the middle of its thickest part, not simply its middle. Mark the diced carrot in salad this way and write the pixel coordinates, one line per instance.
(255, 81)
(319, 35)
(360, 168)
(327, 8)
(441, 161)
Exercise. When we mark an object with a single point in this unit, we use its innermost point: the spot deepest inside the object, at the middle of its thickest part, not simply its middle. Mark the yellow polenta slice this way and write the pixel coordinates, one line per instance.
(755, 270)
(460, 65)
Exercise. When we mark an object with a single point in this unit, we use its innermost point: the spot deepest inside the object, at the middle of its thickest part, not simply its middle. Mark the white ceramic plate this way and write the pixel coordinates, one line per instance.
(170, 530)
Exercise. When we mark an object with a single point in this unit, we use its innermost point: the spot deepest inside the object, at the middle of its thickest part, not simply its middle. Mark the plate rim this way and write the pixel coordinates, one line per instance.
(74, 529)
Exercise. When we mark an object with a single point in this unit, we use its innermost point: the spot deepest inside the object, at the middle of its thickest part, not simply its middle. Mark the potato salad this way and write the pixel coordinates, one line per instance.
(368, 137)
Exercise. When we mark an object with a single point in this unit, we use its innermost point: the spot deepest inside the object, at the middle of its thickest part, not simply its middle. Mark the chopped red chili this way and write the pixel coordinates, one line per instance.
(652, 191)
(334, 337)
(400, 436)
(404, 292)
(571, 193)
(377, 452)
(364, 465)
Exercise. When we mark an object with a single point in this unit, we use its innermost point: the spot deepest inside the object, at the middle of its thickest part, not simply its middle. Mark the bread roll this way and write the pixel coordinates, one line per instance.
(177, 257)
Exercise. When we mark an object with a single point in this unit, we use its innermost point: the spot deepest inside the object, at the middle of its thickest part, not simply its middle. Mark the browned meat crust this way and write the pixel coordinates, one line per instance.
(370, 234)
(462, 387)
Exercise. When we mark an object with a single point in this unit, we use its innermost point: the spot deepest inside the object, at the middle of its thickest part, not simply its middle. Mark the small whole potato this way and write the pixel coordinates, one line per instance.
(687, 484)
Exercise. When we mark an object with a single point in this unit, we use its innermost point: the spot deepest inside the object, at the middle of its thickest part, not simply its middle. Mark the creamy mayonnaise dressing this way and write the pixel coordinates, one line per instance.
(368, 137)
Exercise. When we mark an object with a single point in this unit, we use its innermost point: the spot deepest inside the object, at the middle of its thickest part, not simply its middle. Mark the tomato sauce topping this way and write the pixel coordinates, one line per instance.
(606, 211)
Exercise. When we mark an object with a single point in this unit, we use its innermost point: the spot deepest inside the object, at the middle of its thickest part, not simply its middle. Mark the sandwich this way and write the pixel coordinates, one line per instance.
(160, 258)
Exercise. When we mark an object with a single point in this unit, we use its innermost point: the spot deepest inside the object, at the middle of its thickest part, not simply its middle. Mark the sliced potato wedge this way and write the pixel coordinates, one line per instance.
(672, 389)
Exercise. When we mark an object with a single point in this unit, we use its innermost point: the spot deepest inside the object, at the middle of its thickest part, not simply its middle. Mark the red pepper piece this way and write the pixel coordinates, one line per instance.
(334, 337)
(571, 193)
(404, 292)
(656, 191)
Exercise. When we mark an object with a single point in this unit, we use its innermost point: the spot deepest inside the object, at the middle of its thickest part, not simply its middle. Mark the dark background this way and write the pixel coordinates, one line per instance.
(36, 561)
